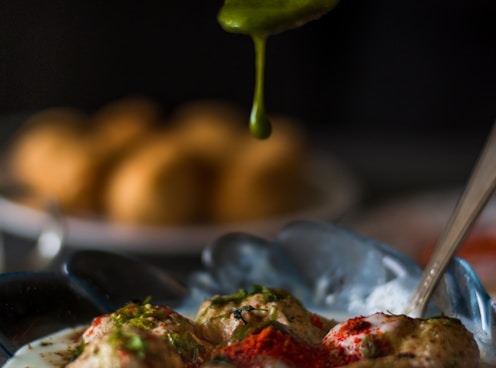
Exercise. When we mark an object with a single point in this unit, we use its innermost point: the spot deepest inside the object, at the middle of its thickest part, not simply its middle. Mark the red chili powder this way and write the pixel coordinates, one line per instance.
(270, 342)
(316, 321)
(358, 331)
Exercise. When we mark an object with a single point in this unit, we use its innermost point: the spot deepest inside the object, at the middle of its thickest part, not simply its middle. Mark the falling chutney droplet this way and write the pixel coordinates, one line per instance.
(258, 19)
(260, 126)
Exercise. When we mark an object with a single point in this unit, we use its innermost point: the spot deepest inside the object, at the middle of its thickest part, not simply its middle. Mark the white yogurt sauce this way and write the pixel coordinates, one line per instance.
(50, 351)
(53, 351)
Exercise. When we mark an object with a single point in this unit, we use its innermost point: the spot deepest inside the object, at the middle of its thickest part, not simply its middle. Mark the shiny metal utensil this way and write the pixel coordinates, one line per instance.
(479, 189)
(2, 253)
(50, 241)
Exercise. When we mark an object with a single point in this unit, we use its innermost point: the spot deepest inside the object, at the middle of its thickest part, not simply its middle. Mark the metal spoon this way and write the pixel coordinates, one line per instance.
(269, 17)
(479, 189)
(50, 241)
(3, 265)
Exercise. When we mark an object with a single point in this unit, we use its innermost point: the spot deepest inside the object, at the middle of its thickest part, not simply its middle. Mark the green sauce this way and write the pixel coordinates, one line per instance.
(267, 17)
(269, 295)
(259, 122)
(259, 19)
(145, 316)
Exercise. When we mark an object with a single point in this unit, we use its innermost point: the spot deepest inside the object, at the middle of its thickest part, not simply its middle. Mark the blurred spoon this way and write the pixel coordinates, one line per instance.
(50, 241)
(269, 17)
(3, 265)
(479, 189)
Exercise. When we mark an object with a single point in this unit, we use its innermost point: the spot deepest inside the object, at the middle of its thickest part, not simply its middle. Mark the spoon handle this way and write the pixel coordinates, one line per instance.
(479, 189)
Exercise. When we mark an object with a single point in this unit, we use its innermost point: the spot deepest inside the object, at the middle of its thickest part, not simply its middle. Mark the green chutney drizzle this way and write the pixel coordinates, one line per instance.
(269, 295)
(259, 19)
(142, 315)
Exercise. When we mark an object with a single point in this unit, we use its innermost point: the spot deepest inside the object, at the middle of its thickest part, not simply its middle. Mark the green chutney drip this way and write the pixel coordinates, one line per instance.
(259, 122)
(259, 19)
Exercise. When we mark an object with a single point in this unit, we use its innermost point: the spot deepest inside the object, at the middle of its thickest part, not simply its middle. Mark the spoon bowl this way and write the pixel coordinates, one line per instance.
(269, 17)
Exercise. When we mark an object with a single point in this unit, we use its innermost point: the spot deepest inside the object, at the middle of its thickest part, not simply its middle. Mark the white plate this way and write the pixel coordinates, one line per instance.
(336, 192)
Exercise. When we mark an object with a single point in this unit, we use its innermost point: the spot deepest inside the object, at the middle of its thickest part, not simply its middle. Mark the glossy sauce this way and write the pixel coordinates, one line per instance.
(259, 19)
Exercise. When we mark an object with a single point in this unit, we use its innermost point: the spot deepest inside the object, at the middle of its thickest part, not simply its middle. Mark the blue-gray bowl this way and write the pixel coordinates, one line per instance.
(340, 273)
(333, 271)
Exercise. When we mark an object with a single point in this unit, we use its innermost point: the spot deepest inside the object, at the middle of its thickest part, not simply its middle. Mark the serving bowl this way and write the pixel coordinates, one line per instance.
(332, 270)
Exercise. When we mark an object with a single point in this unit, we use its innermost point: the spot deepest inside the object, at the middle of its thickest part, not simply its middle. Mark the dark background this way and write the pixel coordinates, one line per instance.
(402, 91)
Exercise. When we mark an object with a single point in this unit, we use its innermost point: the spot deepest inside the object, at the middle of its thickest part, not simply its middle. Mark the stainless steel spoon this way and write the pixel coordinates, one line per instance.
(50, 241)
(479, 189)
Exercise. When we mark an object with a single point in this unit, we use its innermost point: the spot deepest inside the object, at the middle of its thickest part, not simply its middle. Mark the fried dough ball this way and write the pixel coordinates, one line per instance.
(221, 316)
(384, 340)
(159, 183)
(265, 178)
(55, 159)
(117, 350)
(212, 129)
(120, 163)
(141, 335)
(121, 124)
(168, 339)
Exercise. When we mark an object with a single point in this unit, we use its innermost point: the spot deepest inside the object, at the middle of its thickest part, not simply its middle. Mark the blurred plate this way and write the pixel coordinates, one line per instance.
(333, 190)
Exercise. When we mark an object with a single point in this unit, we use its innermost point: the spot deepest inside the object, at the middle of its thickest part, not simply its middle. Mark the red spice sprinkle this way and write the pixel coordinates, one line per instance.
(316, 321)
(358, 338)
(358, 324)
(96, 322)
(271, 342)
